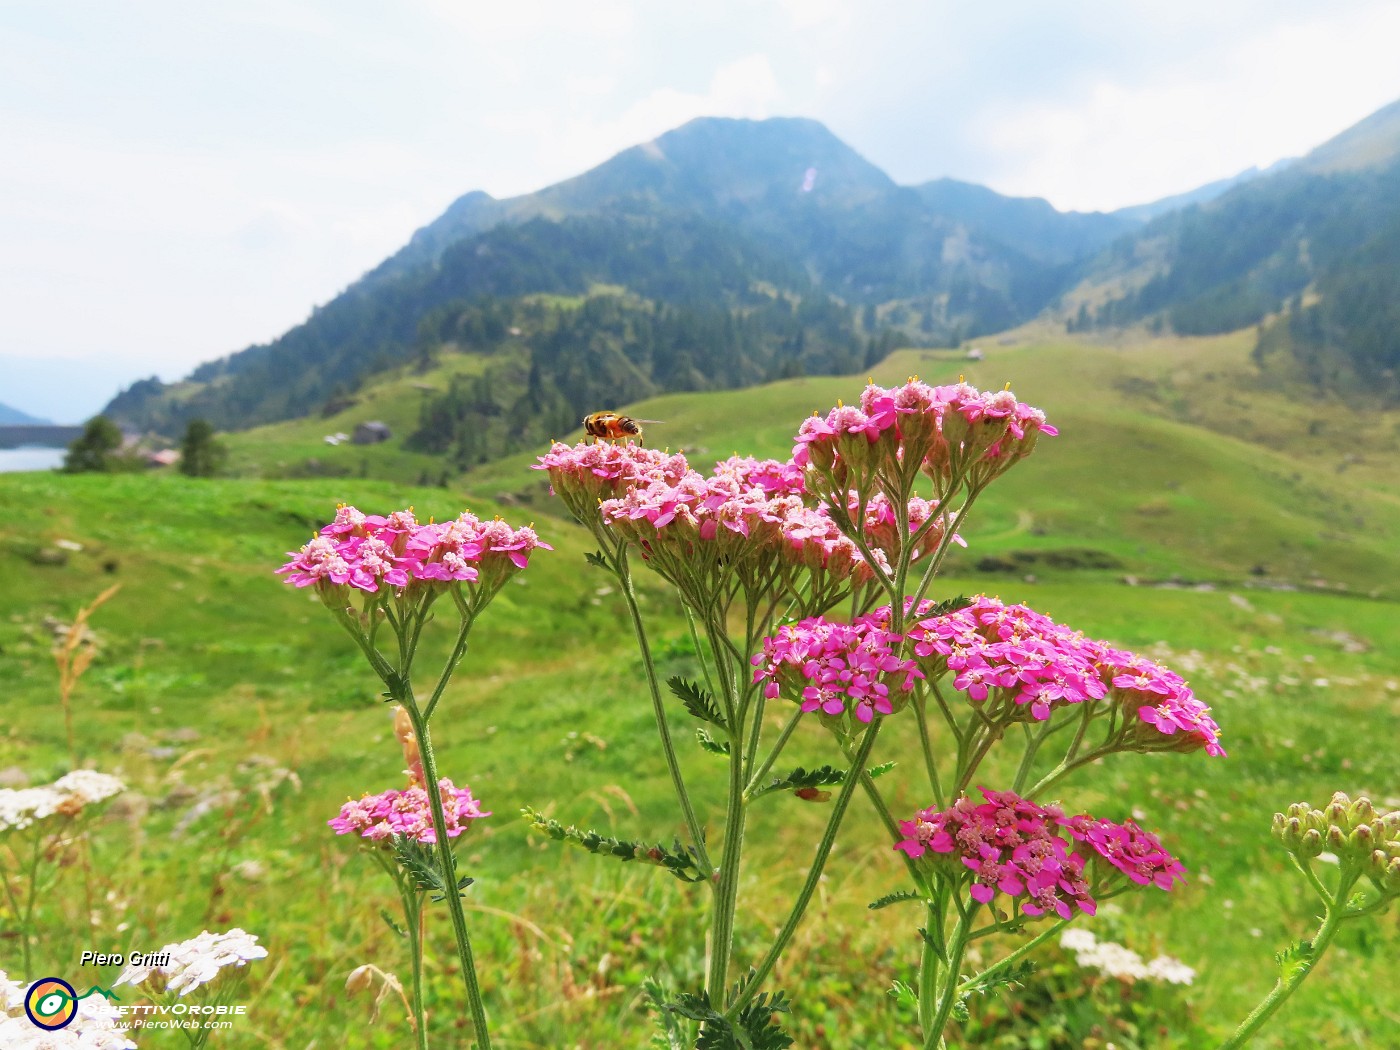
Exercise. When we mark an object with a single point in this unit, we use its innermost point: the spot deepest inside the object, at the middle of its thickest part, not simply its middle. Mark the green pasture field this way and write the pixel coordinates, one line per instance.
(242, 718)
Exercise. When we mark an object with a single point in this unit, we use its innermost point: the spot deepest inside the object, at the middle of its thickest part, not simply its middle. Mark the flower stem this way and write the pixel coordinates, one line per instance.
(772, 757)
(668, 747)
(448, 863)
(727, 892)
(933, 1032)
(804, 897)
(1025, 949)
(1293, 976)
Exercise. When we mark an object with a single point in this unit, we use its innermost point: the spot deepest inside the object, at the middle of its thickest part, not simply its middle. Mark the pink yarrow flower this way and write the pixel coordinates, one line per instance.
(371, 553)
(408, 814)
(1013, 846)
(836, 668)
(999, 653)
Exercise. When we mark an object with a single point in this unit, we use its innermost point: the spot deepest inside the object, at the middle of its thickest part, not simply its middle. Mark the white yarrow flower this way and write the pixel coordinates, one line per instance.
(1118, 961)
(89, 785)
(198, 961)
(21, 807)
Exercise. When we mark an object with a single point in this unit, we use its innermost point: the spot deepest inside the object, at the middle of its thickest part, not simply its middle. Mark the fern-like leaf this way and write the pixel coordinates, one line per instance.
(709, 743)
(898, 897)
(678, 859)
(699, 702)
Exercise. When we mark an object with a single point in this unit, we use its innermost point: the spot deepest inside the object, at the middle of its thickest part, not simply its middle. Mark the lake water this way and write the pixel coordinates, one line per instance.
(31, 458)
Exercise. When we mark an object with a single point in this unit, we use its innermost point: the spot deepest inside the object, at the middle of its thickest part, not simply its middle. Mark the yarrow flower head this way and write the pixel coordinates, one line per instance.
(837, 669)
(1013, 846)
(67, 796)
(955, 434)
(94, 1025)
(1021, 665)
(1115, 960)
(583, 474)
(408, 814)
(375, 554)
(197, 961)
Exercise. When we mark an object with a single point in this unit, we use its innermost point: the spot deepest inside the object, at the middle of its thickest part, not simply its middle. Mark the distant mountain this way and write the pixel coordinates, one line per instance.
(1315, 246)
(1200, 195)
(767, 221)
(10, 417)
(751, 217)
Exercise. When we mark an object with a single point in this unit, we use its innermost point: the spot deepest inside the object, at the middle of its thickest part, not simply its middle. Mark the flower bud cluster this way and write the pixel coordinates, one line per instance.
(1021, 665)
(745, 522)
(1016, 847)
(953, 433)
(837, 669)
(584, 474)
(371, 553)
(408, 813)
(1352, 831)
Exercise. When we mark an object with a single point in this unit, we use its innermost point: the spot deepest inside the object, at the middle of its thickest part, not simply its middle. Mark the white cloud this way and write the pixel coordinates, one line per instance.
(1277, 94)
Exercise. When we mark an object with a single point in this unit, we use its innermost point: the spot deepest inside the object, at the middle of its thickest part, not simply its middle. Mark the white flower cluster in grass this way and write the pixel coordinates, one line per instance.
(94, 1027)
(1118, 961)
(21, 807)
(198, 961)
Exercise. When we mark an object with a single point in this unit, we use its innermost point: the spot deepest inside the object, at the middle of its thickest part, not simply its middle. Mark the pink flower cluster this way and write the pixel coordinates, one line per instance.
(1017, 847)
(836, 668)
(745, 511)
(1135, 852)
(1011, 653)
(368, 551)
(408, 814)
(585, 473)
(946, 429)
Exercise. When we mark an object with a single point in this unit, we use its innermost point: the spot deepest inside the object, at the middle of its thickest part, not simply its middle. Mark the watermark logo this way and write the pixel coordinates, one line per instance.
(51, 1002)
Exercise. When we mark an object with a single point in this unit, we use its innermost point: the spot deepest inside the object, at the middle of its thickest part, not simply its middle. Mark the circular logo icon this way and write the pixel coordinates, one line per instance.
(51, 1003)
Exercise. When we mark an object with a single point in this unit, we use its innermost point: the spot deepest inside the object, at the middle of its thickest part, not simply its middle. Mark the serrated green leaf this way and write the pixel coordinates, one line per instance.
(904, 995)
(876, 772)
(934, 939)
(897, 897)
(1295, 959)
(599, 559)
(699, 702)
(389, 921)
(709, 743)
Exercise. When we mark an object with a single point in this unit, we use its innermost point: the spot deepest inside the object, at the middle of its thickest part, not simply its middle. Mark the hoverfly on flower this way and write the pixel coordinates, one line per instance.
(614, 426)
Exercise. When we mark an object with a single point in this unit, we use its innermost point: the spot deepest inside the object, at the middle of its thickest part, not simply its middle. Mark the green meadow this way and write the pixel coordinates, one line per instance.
(1243, 535)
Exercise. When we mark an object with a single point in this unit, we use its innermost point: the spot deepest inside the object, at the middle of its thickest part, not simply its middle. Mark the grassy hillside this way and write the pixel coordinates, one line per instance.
(212, 676)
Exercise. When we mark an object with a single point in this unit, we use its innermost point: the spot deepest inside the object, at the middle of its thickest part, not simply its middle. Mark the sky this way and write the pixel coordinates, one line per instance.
(180, 180)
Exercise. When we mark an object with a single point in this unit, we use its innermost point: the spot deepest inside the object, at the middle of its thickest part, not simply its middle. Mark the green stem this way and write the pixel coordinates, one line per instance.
(1033, 742)
(458, 651)
(668, 747)
(809, 887)
(1025, 949)
(1288, 983)
(727, 891)
(1064, 769)
(926, 744)
(933, 1033)
(928, 968)
(778, 746)
(412, 901)
(448, 863)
